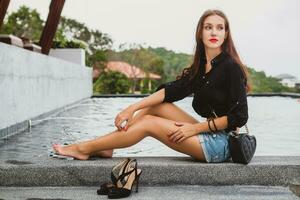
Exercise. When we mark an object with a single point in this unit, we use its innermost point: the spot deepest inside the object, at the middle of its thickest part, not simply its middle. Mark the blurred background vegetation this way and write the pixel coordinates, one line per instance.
(26, 22)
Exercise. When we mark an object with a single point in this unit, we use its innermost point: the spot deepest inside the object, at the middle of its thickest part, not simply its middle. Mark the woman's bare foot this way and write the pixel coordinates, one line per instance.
(70, 150)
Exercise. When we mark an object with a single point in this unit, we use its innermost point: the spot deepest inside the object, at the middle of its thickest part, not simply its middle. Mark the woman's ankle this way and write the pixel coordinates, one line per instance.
(81, 149)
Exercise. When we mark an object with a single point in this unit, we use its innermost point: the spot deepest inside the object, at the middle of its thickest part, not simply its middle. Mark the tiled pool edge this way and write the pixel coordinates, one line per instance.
(25, 125)
(271, 94)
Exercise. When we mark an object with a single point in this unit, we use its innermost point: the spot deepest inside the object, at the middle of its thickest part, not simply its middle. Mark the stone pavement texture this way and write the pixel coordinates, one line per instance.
(167, 193)
(46, 171)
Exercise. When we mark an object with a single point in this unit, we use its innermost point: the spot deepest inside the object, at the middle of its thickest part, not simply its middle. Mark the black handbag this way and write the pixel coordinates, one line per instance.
(242, 146)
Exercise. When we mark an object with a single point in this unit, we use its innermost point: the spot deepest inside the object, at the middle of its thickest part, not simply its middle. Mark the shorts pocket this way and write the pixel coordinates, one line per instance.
(219, 148)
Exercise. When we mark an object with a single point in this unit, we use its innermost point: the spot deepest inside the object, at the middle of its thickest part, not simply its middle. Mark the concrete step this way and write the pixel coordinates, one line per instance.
(157, 171)
(185, 192)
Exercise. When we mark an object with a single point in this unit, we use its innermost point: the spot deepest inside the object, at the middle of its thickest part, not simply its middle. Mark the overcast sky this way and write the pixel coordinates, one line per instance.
(266, 32)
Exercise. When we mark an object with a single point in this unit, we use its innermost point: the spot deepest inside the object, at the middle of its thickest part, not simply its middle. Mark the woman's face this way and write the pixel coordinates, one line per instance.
(213, 34)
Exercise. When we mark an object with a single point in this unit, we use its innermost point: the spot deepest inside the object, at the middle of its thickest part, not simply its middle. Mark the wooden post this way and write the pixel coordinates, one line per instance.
(3, 8)
(48, 34)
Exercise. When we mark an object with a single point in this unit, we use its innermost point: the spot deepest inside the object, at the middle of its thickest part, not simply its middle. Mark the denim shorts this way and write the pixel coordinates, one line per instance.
(215, 146)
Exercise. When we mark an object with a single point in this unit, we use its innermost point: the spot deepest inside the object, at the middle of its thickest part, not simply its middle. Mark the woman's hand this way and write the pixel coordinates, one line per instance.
(183, 131)
(124, 115)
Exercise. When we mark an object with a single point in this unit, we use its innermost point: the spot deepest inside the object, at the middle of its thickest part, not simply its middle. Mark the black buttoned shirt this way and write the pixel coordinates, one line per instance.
(221, 91)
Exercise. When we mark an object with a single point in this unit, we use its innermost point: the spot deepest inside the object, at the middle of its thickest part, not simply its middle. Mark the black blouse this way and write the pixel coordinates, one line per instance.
(222, 90)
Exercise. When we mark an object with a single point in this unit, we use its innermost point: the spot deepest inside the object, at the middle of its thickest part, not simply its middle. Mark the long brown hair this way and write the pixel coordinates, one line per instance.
(227, 47)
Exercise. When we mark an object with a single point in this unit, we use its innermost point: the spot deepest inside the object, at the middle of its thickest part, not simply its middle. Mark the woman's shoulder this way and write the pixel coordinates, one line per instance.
(233, 68)
(232, 65)
(230, 61)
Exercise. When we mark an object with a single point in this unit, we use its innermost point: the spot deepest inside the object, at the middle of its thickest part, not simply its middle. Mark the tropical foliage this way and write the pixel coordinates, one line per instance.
(112, 83)
(26, 22)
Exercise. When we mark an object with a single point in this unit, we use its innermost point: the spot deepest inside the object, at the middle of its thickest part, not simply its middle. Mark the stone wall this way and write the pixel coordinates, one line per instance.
(32, 84)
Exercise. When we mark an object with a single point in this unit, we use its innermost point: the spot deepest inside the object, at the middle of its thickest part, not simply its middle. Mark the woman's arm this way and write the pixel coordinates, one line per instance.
(128, 112)
(168, 92)
(150, 100)
(186, 130)
(220, 122)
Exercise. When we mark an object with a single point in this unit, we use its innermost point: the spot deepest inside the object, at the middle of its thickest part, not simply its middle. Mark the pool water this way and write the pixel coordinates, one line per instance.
(273, 120)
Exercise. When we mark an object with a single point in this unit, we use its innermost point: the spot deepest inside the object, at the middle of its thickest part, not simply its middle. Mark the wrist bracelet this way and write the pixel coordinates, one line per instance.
(215, 125)
(208, 121)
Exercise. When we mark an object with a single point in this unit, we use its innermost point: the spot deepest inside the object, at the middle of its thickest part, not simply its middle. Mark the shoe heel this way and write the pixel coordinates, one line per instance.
(137, 183)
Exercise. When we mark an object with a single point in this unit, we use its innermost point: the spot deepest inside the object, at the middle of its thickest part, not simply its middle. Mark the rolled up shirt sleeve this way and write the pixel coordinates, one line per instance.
(237, 115)
(177, 90)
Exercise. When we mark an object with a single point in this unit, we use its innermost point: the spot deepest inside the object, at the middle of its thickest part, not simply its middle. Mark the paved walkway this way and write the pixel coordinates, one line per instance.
(148, 193)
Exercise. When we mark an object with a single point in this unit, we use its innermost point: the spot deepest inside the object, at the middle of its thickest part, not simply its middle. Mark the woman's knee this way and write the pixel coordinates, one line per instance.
(147, 121)
(140, 114)
(148, 118)
(153, 125)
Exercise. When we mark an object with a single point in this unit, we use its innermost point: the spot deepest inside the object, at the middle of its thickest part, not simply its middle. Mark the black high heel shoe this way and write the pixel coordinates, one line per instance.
(125, 184)
(115, 174)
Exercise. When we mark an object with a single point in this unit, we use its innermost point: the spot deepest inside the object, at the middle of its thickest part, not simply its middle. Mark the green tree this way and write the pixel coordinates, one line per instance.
(98, 60)
(112, 83)
(96, 40)
(25, 22)
(262, 83)
(156, 65)
(141, 57)
(166, 63)
(100, 41)
(174, 63)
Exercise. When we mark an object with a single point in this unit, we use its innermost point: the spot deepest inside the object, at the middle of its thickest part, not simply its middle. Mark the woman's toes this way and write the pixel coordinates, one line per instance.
(57, 148)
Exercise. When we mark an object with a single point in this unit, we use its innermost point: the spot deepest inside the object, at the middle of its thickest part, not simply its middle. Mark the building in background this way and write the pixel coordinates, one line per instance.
(289, 80)
(130, 71)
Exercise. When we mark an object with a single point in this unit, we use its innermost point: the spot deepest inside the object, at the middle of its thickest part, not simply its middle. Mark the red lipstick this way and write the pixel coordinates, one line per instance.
(213, 40)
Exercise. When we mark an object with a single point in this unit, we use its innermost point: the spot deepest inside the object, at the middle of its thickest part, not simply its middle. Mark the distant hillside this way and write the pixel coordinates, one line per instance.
(172, 64)
(263, 83)
(175, 62)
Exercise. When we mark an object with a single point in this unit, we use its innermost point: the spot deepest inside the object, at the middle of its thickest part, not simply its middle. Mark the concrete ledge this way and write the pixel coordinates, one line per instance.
(275, 171)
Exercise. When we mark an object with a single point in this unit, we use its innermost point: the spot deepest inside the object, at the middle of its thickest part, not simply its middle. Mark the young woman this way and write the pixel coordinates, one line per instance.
(218, 80)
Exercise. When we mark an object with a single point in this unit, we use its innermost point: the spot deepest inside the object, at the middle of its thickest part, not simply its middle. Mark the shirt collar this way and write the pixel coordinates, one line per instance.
(214, 62)
(219, 58)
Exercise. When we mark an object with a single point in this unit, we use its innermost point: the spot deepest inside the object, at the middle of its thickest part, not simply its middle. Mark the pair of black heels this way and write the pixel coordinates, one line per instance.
(123, 176)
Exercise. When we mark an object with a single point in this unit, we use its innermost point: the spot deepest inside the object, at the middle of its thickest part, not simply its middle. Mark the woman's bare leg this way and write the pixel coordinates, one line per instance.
(103, 154)
(148, 125)
(168, 111)
(164, 110)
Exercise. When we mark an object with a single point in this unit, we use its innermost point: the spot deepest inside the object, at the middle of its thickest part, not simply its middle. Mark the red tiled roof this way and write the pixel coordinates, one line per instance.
(128, 70)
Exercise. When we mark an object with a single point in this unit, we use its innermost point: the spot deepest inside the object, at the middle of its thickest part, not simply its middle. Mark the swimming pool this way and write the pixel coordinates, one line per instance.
(273, 120)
